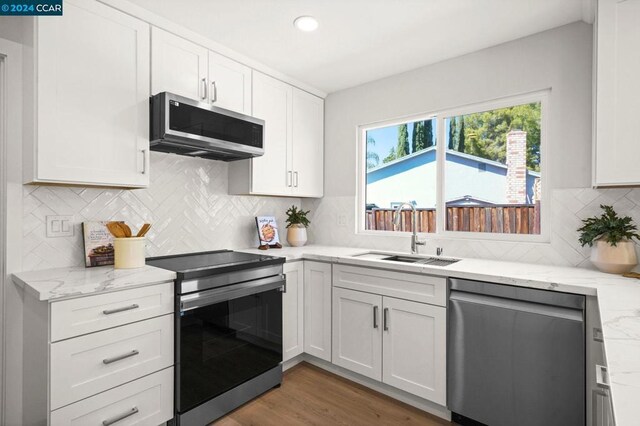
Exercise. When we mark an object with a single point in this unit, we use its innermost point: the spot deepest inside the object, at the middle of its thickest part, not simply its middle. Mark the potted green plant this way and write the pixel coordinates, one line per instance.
(297, 223)
(614, 250)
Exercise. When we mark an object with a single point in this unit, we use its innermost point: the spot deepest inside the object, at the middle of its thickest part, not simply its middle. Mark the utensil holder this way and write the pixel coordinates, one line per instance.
(129, 252)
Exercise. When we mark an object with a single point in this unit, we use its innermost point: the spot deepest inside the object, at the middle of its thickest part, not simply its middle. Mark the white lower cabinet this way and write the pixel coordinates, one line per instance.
(414, 342)
(357, 337)
(293, 311)
(103, 359)
(146, 401)
(317, 309)
(93, 363)
(399, 342)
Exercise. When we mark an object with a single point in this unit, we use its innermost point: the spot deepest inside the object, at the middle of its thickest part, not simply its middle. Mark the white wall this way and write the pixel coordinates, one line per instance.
(560, 60)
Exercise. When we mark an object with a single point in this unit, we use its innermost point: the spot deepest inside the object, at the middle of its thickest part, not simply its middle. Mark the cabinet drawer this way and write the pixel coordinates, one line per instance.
(416, 287)
(90, 364)
(146, 401)
(84, 315)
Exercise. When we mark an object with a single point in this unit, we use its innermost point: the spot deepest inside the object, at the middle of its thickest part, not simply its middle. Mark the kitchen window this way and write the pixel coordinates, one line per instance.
(485, 179)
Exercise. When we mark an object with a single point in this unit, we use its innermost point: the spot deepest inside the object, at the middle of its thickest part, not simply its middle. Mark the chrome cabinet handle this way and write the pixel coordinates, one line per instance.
(375, 317)
(214, 89)
(295, 179)
(144, 161)
(289, 179)
(119, 417)
(107, 361)
(602, 377)
(204, 89)
(122, 309)
(385, 319)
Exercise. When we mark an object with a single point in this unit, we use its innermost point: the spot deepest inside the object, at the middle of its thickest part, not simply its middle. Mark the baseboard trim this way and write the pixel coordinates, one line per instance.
(420, 403)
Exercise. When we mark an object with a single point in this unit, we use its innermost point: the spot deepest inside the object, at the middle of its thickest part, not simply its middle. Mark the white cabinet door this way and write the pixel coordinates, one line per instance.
(178, 66)
(229, 84)
(617, 143)
(92, 98)
(414, 342)
(317, 309)
(293, 311)
(308, 144)
(270, 173)
(357, 337)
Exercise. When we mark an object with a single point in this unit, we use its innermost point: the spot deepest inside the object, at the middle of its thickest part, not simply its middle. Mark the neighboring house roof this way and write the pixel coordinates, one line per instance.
(416, 156)
(468, 201)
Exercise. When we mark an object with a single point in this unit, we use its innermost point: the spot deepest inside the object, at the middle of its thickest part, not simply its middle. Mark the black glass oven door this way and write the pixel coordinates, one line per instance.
(223, 344)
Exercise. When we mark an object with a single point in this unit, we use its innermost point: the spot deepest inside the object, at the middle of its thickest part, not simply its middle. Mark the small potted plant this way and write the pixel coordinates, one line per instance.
(614, 250)
(297, 223)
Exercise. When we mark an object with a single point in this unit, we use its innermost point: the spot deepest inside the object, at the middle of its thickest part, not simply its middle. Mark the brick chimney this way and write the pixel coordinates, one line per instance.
(516, 167)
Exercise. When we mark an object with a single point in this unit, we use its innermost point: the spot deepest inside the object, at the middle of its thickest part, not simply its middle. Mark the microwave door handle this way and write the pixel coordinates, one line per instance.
(211, 297)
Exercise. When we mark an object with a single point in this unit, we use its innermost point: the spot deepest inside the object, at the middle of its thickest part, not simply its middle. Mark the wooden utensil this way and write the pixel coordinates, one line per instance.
(114, 228)
(143, 230)
(632, 275)
(126, 229)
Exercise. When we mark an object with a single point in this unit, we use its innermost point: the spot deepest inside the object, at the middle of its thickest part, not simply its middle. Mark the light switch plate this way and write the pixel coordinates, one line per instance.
(342, 220)
(59, 226)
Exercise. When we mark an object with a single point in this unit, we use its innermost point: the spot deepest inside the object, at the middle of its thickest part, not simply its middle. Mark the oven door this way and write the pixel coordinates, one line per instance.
(225, 337)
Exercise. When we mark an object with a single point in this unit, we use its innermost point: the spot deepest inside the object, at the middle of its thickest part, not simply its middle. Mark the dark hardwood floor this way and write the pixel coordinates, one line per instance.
(312, 396)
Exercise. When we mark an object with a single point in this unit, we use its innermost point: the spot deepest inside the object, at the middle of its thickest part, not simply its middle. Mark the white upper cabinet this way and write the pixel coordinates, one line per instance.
(178, 66)
(617, 143)
(190, 70)
(272, 103)
(308, 148)
(92, 106)
(294, 143)
(229, 84)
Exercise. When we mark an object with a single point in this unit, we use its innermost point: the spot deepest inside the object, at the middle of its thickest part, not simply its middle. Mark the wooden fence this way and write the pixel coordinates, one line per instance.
(505, 218)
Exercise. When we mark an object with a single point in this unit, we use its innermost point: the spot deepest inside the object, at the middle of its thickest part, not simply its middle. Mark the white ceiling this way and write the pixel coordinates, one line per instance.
(364, 40)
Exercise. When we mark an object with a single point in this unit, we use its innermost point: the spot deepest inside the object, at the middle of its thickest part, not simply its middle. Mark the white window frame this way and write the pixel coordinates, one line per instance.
(542, 96)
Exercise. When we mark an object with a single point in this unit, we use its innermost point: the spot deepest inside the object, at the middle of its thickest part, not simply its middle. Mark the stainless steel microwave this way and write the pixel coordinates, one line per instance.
(183, 126)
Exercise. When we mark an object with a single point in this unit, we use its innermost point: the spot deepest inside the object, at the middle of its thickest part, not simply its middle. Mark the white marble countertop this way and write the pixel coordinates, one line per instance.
(618, 302)
(64, 283)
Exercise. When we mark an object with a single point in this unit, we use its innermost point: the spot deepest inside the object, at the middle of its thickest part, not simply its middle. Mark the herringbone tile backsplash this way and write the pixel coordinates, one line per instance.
(190, 209)
(187, 203)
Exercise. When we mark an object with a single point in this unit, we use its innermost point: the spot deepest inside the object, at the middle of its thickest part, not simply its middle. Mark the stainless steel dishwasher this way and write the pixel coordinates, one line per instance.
(515, 356)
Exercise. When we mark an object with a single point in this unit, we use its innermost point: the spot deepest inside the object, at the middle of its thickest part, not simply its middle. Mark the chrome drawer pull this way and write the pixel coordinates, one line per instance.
(120, 357)
(375, 317)
(119, 417)
(122, 309)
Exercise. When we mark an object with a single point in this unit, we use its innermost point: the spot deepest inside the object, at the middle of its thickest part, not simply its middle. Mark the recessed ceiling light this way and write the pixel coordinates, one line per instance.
(306, 23)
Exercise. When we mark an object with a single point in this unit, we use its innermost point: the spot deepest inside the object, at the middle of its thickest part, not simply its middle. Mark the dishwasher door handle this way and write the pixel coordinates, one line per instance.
(517, 305)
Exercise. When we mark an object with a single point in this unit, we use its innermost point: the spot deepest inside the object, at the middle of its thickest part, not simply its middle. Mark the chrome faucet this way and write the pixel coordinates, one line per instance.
(415, 242)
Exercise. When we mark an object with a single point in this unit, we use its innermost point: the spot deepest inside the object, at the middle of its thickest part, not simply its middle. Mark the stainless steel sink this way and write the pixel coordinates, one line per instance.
(431, 261)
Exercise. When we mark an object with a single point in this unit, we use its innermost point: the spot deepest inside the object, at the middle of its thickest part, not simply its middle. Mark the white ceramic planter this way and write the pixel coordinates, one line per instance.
(129, 253)
(614, 260)
(297, 235)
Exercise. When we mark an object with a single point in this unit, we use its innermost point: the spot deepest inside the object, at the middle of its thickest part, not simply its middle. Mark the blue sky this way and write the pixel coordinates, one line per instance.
(387, 138)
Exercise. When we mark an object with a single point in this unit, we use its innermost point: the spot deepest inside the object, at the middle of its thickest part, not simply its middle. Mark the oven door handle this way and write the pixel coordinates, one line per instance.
(210, 297)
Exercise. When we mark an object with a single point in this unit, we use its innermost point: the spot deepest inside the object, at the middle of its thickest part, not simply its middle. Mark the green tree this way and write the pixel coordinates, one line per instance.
(485, 133)
(403, 141)
(461, 136)
(428, 133)
(372, 158)
(452, 133)
(392, 156)
(419, 137)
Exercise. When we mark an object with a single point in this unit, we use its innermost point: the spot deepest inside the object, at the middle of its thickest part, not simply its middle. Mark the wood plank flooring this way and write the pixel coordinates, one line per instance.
(312, 396)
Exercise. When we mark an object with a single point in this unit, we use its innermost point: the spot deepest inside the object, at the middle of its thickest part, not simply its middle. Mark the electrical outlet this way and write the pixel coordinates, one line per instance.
(59, 226)
(342, 220)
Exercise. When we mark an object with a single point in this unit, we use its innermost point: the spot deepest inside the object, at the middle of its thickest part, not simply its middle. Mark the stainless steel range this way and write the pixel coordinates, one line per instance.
(228, 331)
